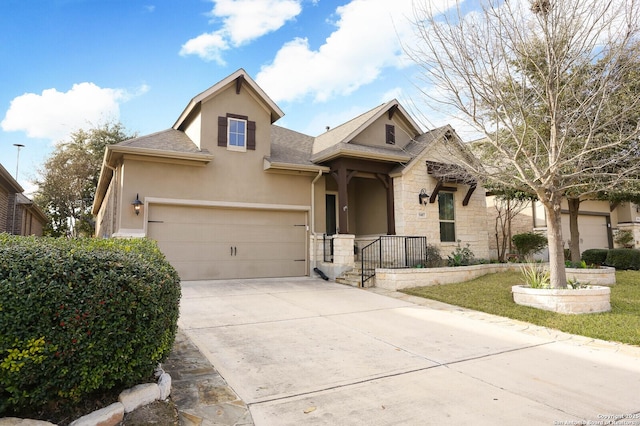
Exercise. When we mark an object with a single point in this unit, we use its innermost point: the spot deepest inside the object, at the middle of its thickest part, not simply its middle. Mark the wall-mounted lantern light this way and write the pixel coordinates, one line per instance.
(137, 205)
(423, 197)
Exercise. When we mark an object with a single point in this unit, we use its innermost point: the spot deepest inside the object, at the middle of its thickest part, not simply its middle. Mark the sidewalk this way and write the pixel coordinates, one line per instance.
(201, 395)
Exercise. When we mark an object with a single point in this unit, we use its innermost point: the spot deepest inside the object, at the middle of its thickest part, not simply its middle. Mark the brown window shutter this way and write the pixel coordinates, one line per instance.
(222, 131)
(251, 135)
(390, 134)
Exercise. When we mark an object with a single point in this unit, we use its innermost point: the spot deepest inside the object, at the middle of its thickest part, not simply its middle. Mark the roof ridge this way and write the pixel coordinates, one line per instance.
(369, 111)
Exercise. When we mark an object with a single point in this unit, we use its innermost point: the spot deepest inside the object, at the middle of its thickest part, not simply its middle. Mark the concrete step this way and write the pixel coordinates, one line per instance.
(353, 278)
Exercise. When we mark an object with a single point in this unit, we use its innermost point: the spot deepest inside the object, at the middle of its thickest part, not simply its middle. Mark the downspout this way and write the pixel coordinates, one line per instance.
(313, 218)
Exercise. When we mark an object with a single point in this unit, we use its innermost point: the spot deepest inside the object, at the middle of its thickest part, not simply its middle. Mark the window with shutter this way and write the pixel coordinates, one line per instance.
(236, 132)
(390, 134)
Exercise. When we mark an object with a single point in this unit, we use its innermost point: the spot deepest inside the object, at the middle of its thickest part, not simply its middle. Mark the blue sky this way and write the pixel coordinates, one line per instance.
(69, 64)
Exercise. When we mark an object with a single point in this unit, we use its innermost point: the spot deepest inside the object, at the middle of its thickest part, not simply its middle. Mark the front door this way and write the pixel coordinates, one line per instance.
(331, 215)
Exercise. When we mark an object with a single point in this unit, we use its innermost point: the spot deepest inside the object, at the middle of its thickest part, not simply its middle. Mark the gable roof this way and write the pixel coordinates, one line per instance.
(7, 181)
(242, 80)
(348, 131)
(421, 147)
(172, 144)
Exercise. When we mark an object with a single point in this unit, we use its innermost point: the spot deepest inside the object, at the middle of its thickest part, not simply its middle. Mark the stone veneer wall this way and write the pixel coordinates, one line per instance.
(397, 279)
(634, 227)
(415, 219)
(343, 255)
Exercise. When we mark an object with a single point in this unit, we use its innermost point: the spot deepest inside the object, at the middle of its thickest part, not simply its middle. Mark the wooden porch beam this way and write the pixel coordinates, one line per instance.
(468, 196)
(239, 82)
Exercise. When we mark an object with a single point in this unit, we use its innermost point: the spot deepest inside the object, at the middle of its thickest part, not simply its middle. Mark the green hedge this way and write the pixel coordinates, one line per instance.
(623, 258)
(529, 243)
(595, 256)
(80, 316)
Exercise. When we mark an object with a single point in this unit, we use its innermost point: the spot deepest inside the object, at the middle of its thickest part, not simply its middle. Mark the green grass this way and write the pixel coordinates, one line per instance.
(492, 294)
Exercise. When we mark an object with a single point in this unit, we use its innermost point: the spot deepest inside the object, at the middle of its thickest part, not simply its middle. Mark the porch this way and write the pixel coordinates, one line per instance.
(353, 260)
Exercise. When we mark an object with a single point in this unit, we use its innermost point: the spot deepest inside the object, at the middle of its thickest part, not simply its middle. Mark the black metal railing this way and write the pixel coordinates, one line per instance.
(393, 252)
(327, 248)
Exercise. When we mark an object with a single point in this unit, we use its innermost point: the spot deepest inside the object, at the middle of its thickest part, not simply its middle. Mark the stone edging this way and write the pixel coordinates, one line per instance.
(128, 401)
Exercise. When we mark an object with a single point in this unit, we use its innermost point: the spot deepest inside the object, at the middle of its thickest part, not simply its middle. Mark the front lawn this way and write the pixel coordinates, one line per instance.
(492, 294)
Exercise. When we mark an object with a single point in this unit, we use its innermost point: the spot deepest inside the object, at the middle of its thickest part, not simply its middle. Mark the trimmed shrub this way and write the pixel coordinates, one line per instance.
(434, 258)
(595, 256)
(623, 258)
(529, 243)
(81, 316)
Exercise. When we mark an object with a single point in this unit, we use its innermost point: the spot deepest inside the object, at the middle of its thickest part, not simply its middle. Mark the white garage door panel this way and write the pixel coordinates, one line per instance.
(593, 231)
(215, 243)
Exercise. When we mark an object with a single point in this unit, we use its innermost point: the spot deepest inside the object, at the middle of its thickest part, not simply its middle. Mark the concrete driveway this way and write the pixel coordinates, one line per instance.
(306, 351)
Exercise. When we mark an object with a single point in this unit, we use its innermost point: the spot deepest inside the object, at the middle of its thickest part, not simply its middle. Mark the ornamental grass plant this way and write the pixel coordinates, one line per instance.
(492, 294)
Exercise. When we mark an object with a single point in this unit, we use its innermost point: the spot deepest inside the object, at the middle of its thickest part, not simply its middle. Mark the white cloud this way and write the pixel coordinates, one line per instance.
(54, 115)
(366, 40)
(395, 93)
(208, 46)
(242, 22)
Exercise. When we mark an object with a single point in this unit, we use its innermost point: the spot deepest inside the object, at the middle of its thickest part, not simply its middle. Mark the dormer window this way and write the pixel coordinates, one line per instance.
(237, 137)
(390, 131)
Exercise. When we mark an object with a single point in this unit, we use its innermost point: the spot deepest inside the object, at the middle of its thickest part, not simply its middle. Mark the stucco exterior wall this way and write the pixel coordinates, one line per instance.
(106, 217)
(371, 201)
(374, 135)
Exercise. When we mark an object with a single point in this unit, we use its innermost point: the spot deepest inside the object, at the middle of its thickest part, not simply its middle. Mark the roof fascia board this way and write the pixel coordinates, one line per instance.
(118, 151)
(13, 184)
(401, 158)
(269, 165)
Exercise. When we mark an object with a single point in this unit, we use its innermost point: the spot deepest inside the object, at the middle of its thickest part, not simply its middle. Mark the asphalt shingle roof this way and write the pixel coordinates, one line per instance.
(289, 146)
(165, 140)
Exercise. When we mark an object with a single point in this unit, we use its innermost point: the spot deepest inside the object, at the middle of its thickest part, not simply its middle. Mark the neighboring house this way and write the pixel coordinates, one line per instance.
(18, 214)
(598, 221)
(229, 194)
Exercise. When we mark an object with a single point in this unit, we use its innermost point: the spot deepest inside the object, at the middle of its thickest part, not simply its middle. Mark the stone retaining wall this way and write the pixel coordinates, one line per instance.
(397, 279)
(603, 276)
(582, 301)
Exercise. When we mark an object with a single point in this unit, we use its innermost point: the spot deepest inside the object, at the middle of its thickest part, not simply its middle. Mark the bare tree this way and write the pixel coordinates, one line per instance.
(537, 78)
(506, 209)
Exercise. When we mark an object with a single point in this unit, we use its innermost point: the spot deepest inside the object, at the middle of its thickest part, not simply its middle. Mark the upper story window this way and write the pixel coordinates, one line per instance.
(237, 137)
(447, 217)
(390, 134)
(236, 132)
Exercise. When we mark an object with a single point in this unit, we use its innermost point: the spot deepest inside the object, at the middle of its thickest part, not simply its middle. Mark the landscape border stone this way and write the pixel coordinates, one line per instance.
(128, 401)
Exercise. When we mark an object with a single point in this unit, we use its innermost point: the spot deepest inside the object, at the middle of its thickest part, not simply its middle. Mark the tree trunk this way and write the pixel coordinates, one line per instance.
(574, 244)
(556, 245)
(509, 226)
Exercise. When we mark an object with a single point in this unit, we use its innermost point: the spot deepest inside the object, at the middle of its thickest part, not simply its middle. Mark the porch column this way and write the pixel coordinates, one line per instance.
(391, 216)
(342, 176)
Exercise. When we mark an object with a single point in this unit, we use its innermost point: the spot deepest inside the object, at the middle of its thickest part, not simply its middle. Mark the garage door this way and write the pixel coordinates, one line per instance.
(215, 243)
(594, 231)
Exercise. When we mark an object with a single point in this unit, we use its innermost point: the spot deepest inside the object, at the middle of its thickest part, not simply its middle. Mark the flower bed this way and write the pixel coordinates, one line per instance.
(591, 299)
(604, 275)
